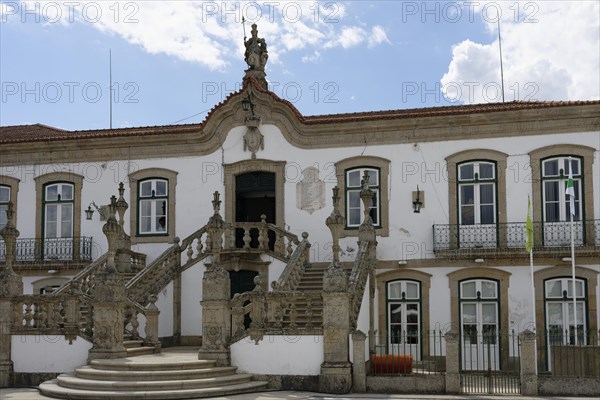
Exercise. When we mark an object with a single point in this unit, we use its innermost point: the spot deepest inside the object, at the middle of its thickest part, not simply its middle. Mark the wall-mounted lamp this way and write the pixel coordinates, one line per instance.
(53, 271)
(479, 260)
(247, 104)
(402, 262)
(418, 198)
(89, 212)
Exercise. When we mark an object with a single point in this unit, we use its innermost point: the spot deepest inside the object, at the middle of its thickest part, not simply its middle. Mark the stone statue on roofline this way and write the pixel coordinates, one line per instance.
(256, 56)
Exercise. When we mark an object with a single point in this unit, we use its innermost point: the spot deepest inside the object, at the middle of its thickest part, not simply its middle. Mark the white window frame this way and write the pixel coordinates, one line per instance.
(4, 205)
(62, 204)
(155, 202)
(562, 178)
(565, 301)
(355, 189)
(477, 183)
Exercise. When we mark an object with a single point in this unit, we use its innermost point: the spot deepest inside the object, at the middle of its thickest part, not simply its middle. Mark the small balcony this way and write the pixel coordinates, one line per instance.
(508, 239)
(45, 252)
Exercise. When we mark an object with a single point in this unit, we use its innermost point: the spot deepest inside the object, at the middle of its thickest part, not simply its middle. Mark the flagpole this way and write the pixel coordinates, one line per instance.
(529, 247)
(571, 193)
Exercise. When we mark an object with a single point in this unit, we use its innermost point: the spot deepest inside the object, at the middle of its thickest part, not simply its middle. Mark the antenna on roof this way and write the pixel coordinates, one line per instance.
(110, 88)
(501, 67)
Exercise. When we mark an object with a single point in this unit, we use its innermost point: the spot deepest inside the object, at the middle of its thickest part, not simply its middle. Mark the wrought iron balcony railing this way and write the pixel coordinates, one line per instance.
(51, 250)
(513, 235)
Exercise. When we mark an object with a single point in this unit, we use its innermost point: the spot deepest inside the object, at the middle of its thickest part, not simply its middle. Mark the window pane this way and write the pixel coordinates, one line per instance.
(467, 194)
(554, 288)
(354, 217)
(374, 212)
(146, 189)
(488, 313)
(67, 192)
(466, 172)
(555, 314)
(145, 224)
(146, 208)
(574, 163)
(354, 199)
(578, 288)
(354, 178)
(469, 313)
(373, 177)
(468, 290)
(551, 168)
(488, 290)
(467, 215)
(52, 193)
(394, 290)
(161, 188)
(412, 290)
(395, 313)
(4, 194)
(51, 212)
(412, 313)
(486, 194)
(486, 171)
(487, 214)
(66, 218)
(551, 191)
(552, 212)
(3, 218)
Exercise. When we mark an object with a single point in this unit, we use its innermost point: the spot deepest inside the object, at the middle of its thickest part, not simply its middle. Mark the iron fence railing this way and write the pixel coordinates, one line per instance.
(55, 249)
(513, 235)
(407, 353)
(565, 356)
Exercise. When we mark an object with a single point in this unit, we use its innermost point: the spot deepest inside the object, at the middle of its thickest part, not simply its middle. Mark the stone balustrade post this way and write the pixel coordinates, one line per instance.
(359, 372)
(216, 316)
(452, 362)
(528, 363)
(152, 313)
(109, 299)
(11, 285)
(336, 376)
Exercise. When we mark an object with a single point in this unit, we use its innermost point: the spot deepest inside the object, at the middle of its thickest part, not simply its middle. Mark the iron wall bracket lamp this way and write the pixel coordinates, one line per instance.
(418, 200)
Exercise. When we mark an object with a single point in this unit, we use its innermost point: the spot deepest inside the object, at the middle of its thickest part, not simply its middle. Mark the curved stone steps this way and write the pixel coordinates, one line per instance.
(75, 382)
(92, 373)
(51, 388)
(176, 373)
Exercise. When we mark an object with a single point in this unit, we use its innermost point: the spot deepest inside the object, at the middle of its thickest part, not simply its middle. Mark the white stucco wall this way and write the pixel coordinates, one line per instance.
(164, 303)
(191, 294)
(34, 353)
(279, 355)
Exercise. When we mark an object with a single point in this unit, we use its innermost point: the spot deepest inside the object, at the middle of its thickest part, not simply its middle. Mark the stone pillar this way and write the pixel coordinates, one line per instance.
(452, 362)
(152, 313)
(216, 318)
(359, 372)
(109, 299)
(336, 374)
(11, 285)
(528, 361)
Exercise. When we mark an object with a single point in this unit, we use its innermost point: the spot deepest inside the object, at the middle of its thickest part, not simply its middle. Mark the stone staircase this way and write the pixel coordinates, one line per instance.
(311, 281)
(176, 373)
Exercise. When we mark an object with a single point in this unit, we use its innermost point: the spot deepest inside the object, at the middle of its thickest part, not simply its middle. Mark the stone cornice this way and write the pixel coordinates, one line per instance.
(309, 132)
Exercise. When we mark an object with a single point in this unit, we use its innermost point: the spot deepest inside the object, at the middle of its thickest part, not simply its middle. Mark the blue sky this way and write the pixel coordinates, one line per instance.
(173, 61)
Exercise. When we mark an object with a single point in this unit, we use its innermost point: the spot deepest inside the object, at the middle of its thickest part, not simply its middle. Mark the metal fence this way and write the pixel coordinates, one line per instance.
(407, 353)
(565, 356)
(490, 362)
(55, 249)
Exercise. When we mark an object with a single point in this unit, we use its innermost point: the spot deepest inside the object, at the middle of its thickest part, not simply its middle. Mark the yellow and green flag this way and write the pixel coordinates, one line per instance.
(529, 228)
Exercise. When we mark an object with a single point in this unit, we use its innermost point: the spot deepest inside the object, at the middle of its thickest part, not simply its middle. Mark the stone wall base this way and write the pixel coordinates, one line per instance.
(306, 383)
(95, 354)
(559, 386)
(406, 384)
(222, 357)
(335, 378)
(29, 379)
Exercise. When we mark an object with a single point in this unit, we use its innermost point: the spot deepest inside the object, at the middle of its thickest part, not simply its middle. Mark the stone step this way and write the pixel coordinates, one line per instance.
(128, 344)
(140, 351)
(150, 363)
(87, 372)
(51, 388)
(74, 382)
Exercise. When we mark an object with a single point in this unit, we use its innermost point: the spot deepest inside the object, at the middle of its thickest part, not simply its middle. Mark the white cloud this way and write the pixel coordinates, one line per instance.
(210, 33)
(550, 52)
(316, 56)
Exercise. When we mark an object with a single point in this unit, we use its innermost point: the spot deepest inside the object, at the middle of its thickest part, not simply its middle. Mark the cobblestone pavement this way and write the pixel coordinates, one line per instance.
(32, 394)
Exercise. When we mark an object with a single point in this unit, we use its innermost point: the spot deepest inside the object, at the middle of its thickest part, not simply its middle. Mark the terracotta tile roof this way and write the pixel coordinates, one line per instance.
(40, 132)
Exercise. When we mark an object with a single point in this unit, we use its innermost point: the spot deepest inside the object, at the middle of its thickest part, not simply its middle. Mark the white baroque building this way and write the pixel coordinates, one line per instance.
(457, 265)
